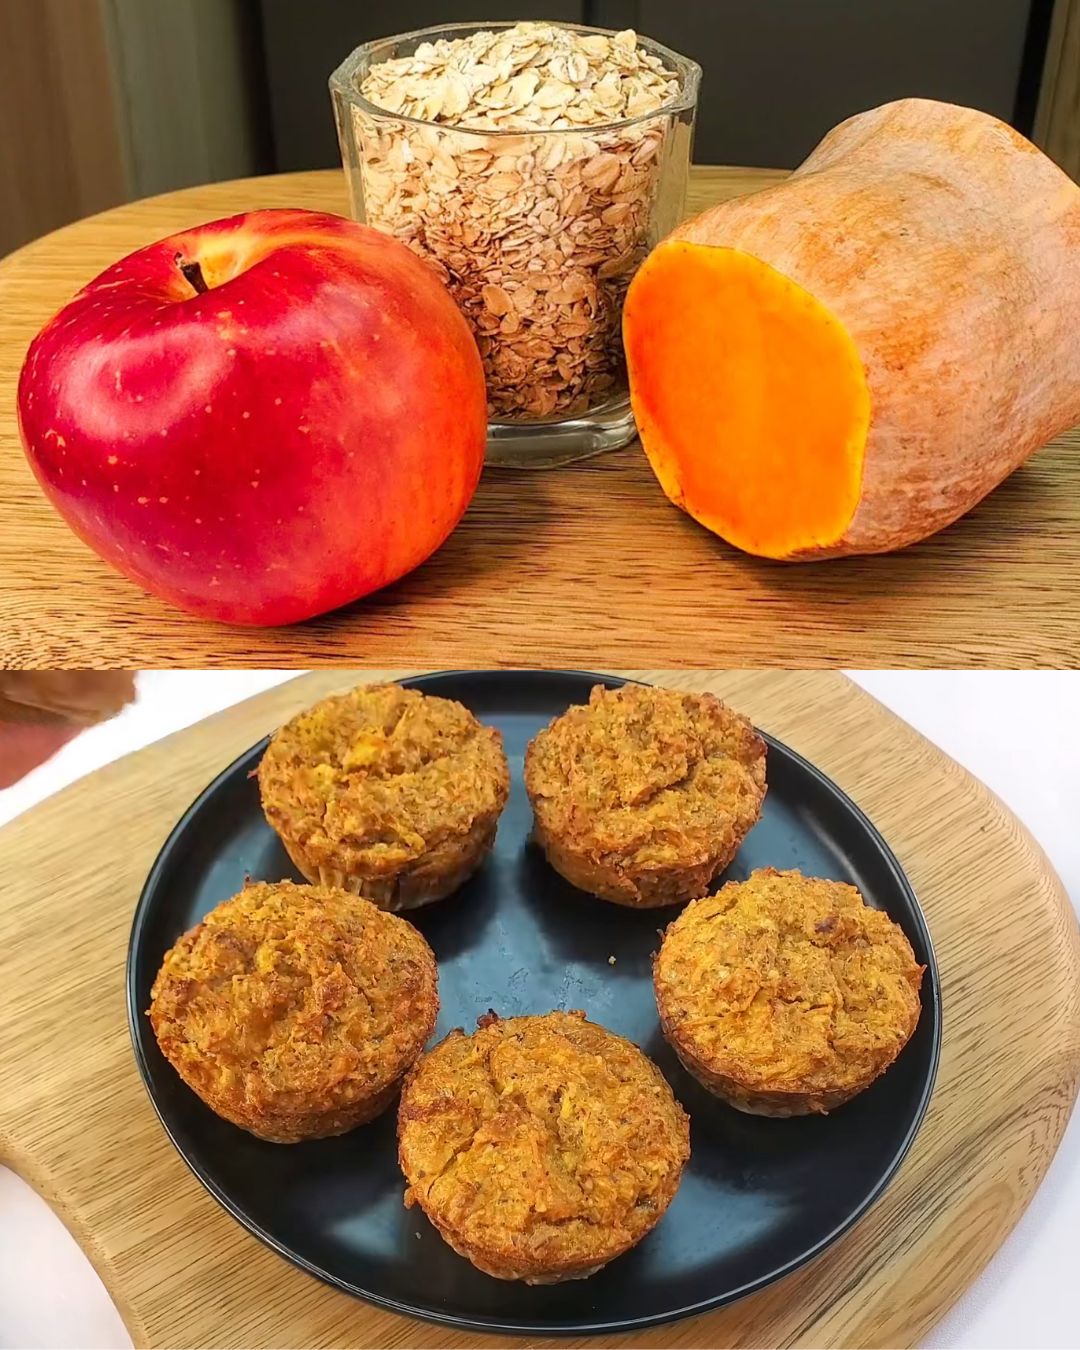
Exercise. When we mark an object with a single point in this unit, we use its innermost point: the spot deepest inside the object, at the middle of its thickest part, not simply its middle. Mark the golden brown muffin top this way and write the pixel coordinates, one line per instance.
(547, 1140)
(652, 775)
(788, 983)
(295, 997)
(381, 775)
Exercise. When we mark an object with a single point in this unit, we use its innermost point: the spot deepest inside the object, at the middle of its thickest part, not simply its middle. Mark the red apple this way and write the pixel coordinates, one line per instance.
(259, 419)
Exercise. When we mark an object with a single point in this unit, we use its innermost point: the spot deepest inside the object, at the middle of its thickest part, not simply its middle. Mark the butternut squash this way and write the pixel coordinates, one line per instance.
(850, 360)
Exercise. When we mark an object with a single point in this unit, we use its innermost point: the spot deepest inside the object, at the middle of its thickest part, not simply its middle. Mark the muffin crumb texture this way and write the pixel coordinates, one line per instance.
(786, 994)
(643, 795)
(388, 792)
(294, 1011)
(540, 1147)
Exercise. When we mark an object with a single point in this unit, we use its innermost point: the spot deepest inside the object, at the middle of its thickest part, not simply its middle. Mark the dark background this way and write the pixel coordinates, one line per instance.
(777, 73)
(107, 101)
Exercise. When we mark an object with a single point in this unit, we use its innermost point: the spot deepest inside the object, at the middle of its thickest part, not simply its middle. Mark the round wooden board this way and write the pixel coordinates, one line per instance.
(75, 1121)
(549, 568)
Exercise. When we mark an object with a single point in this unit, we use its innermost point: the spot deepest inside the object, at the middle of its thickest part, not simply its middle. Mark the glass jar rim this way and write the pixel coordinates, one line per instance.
(343, 80)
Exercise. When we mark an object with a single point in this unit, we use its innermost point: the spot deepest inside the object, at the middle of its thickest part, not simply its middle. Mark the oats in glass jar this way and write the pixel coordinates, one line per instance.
(524, 183)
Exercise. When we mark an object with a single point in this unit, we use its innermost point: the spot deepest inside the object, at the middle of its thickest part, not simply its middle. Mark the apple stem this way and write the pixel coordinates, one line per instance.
(192, 274)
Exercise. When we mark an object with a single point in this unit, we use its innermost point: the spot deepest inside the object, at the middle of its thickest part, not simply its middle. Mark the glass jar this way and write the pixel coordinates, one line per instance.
(537, 233)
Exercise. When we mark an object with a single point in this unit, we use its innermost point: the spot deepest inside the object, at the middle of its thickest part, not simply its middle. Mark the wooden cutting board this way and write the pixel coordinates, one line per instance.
(75, 1121)
(546, 568)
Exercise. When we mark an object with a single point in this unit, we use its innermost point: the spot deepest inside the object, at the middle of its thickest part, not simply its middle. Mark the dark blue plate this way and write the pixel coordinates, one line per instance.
(759, 1197)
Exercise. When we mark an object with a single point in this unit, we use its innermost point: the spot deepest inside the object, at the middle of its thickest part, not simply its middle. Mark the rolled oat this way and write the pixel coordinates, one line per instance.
(516, 186)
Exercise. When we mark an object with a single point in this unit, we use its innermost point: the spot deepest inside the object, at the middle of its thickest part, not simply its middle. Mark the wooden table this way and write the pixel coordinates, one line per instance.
(583, 565)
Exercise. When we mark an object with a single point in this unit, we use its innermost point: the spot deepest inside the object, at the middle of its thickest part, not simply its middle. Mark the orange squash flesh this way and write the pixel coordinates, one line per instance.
(847, 361)
(750, 397)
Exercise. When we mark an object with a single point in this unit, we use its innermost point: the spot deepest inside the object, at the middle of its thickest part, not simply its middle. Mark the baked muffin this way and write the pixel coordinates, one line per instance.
(386, 792)
(294, 1011)
(786, 994)
(643, 795)
(540, 1147)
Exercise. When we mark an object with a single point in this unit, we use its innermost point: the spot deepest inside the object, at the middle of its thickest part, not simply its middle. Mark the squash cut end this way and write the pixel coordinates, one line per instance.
(750, 398)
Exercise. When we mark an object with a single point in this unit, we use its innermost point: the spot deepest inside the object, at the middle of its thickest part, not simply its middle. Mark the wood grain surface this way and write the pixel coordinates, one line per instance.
(567, 566)
(75, 1121)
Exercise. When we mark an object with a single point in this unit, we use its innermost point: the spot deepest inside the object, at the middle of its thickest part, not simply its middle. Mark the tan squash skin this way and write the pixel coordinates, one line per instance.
(949, 248)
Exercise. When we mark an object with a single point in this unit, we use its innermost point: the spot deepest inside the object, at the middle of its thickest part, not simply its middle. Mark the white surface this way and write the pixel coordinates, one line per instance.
(1017, 731)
